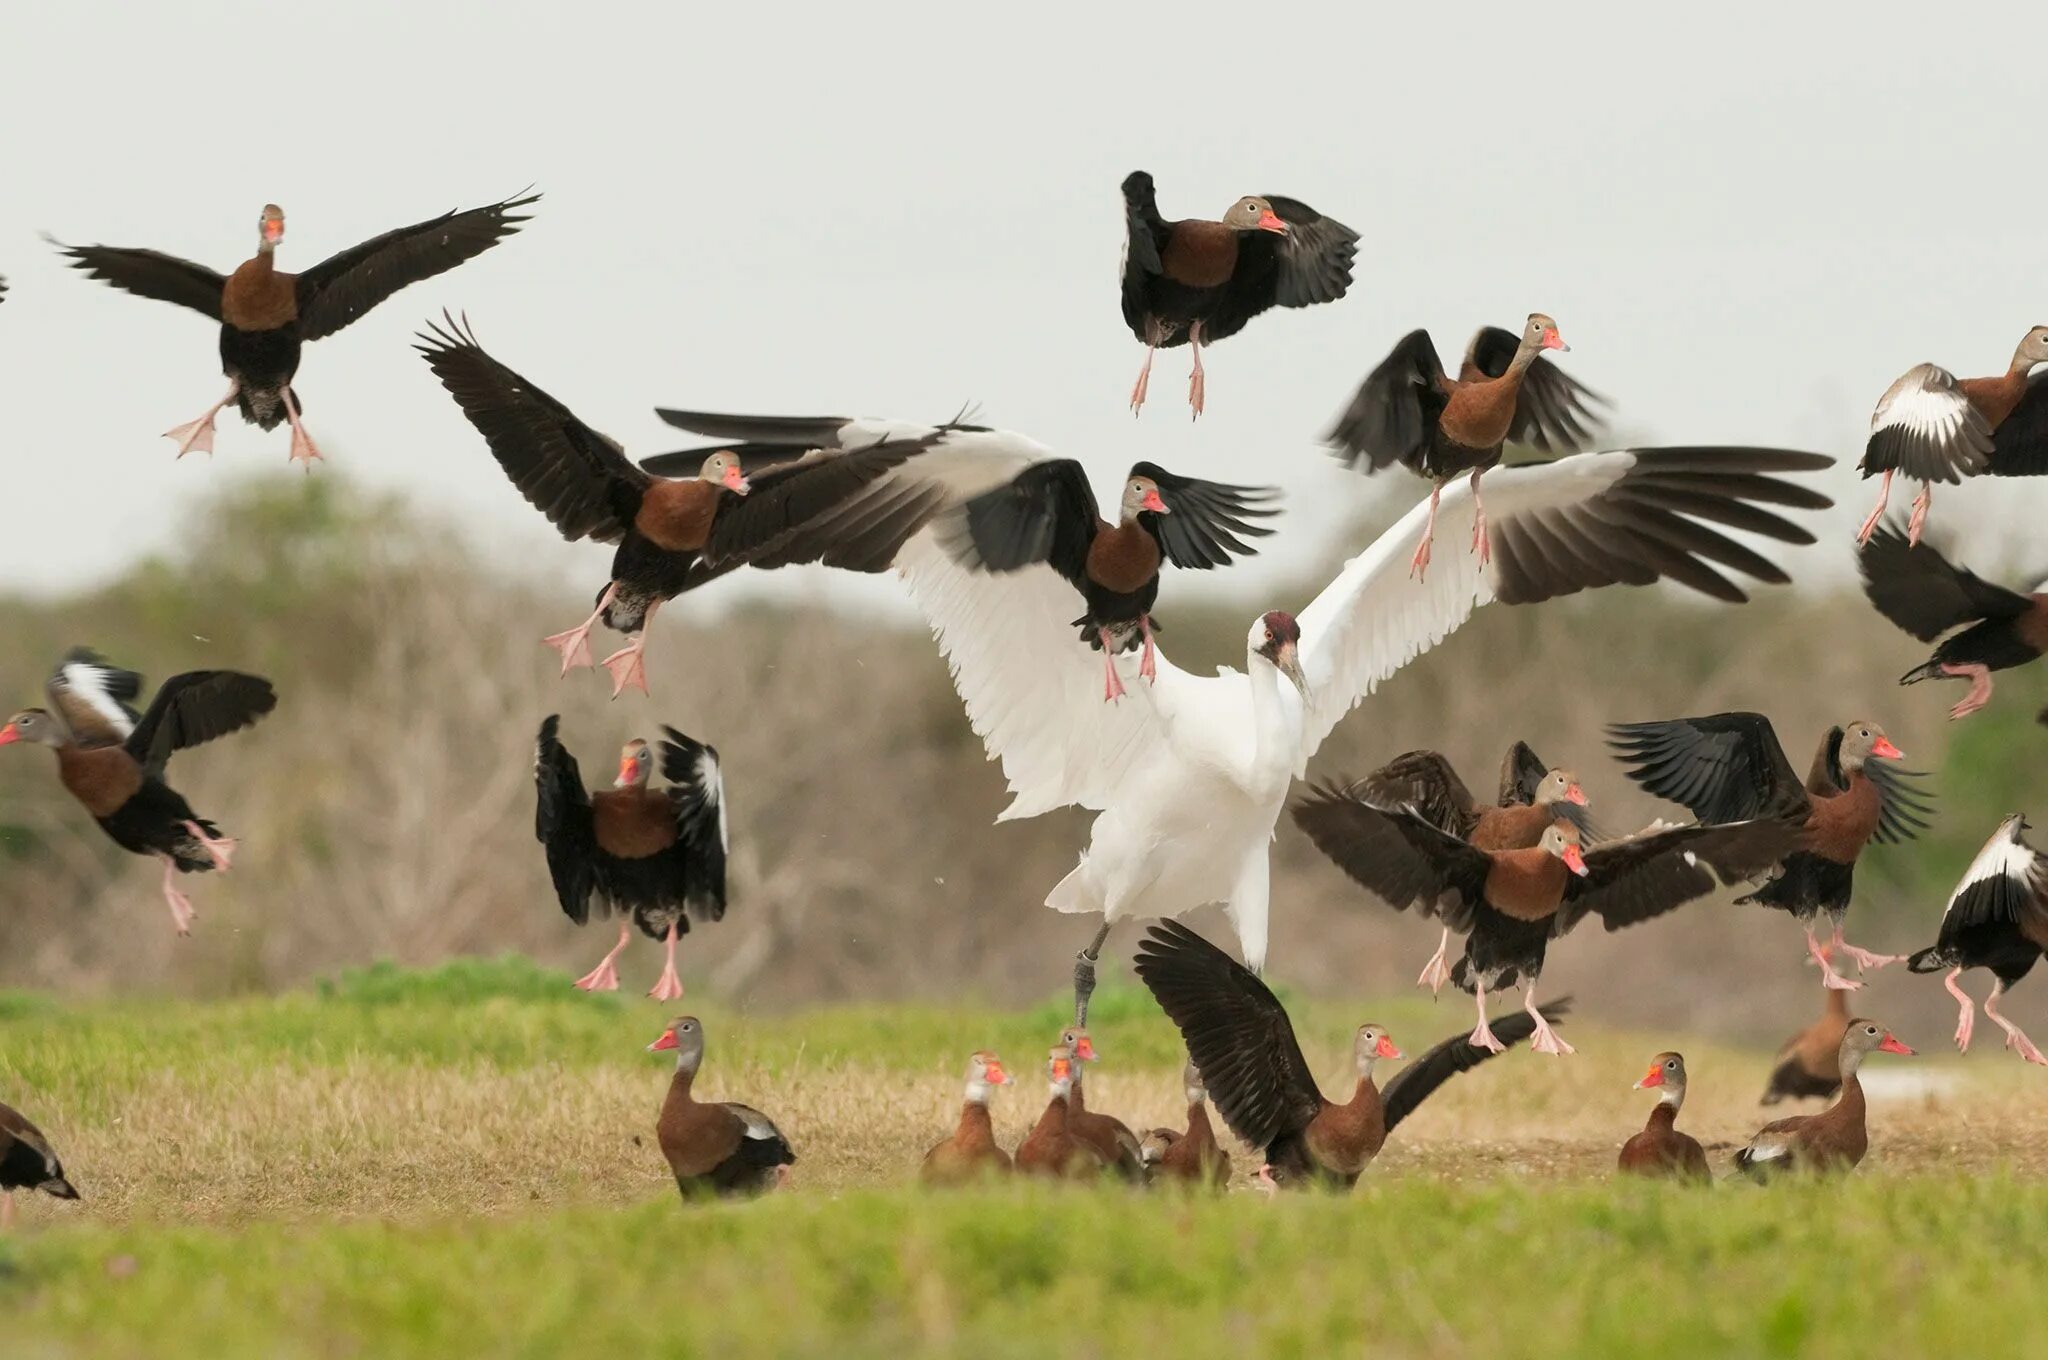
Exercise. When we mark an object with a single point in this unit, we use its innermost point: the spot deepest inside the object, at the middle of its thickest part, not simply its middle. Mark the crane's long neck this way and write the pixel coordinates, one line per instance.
(1276, 725)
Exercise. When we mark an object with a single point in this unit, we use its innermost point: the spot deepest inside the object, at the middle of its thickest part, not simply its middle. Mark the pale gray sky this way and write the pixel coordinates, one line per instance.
(1747, 221)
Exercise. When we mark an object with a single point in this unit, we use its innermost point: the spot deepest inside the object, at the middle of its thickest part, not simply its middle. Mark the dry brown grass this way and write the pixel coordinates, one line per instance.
(370, 1136)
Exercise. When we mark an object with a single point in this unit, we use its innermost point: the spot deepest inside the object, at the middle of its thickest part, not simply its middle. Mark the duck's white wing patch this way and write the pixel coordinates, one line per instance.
(1925, 428)
(711, 778)
(757, 1125)
(93, 698)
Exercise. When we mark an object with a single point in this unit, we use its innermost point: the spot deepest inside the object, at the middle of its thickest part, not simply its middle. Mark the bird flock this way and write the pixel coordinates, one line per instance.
(1042, 603)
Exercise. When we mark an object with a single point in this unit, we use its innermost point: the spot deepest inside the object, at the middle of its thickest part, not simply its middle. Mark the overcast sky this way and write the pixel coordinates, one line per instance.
(1747, 220)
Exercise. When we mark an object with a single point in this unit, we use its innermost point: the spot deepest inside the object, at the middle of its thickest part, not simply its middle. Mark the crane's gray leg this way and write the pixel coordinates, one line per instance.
(1084, 973)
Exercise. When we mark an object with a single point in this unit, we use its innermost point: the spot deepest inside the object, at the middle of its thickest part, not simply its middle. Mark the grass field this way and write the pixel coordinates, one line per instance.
(462, 1161)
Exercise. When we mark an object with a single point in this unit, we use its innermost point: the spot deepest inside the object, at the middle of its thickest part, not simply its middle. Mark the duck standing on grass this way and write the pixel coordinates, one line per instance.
(1836, 1138)
(724, 1148)
(1660, 1149)
(971, 1153)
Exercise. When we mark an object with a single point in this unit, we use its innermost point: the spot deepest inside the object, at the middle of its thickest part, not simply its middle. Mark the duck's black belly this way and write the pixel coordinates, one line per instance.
(1501, 951)
(1118, 612)
(262, 364)
(749, 1171)
(153, 823)
(646, 575)
(1807, 884)
(1173, 305)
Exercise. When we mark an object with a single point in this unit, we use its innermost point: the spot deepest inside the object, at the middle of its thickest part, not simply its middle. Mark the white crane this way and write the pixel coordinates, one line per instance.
(1190, 773)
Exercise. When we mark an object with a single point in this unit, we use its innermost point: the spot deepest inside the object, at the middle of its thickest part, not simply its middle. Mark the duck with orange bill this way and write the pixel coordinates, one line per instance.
(1047, 515)
(1194, 281)
(1532, 796)
(1730, 767)
(1996, 919)
(970, 1152)
(673, 534)
(1052, 1149)
(719, 1148)
(1660, 1149)
(653, 857)
(112, 759)
(1837, 1137)
(1108, 1135)
(1408, 411)
(1240, 1038)
(267, 315)
(1509, 904)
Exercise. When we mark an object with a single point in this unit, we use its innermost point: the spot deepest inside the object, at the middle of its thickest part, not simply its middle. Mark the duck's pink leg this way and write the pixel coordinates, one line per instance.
(1144, 382)
(574, 644)
(180, 905)
(1264, 1183)
(1418, 565)
(1980, 688)
(1966, 1017)
(1482, 542)
(1482, 1035)
(1436, 972)
(1918, 521)
(669, 987)
(782, 1174)
(1197, 384)
(1112, 685)
(1884, 493)
(605, 977)
(1545, 1039)
(2013, 1037)
(304, 450)
(1862, 958)
(1148, 665)
(220, 850)
(1829, 978)
(628, 665)
(198, 434)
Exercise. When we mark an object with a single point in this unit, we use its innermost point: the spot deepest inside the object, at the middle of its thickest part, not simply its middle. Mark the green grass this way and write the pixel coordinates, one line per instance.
(1855, 1270)
(459, 1162)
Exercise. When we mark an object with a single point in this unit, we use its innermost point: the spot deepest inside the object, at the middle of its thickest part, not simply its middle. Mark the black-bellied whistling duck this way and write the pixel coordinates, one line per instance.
(1833, 1140)
(1052, 1149)
(112, 759)
(1195, 282)
(1660, 1149)
(970, 1152)
(1107, 1134)
(1809, 1064)
(1048, 514)
(1409, 411)
(673, 534)
(721, 1148)
(1919, 590)
(1532, 796)
(1509, 904)
(1240, 1038)
(1190, 1155)
(27, 1162)
(266, 315)
(656, 857)
(1997, 918)
(1729, 767)
(1935, 427)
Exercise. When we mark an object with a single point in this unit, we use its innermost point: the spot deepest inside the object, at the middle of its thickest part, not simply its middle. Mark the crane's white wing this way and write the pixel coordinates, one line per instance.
(1629, 516)
(1032, 689)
